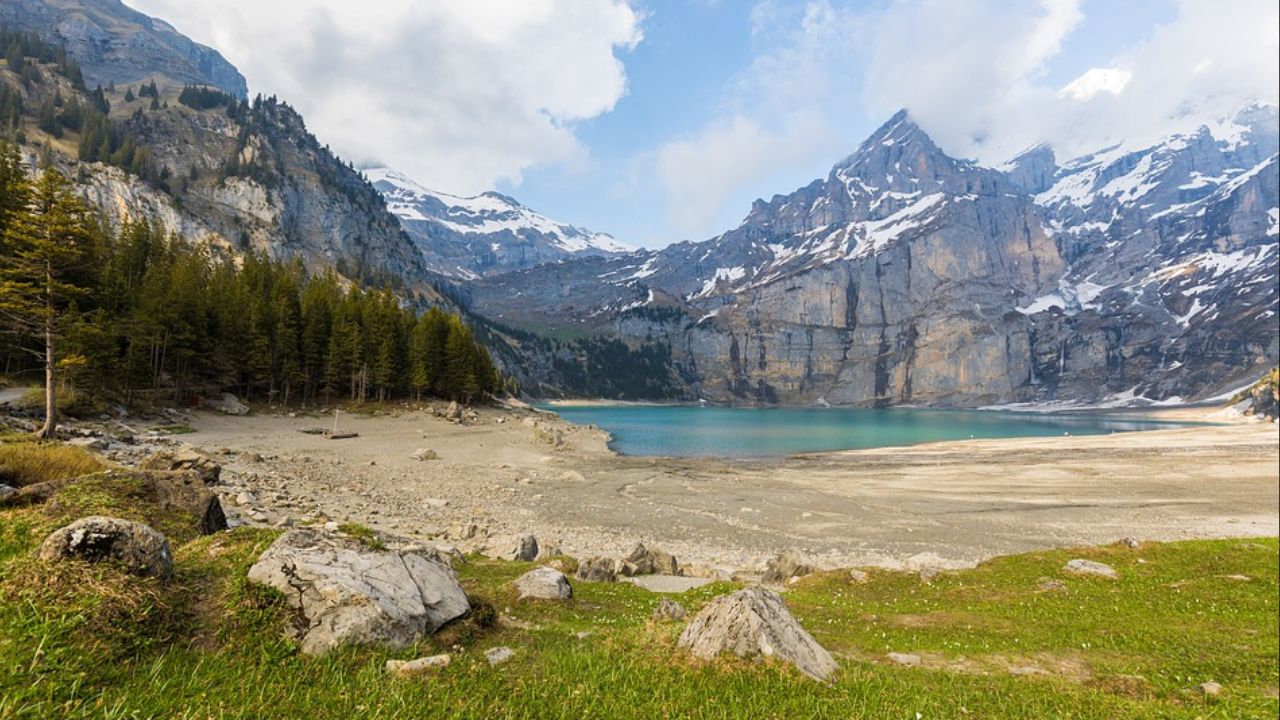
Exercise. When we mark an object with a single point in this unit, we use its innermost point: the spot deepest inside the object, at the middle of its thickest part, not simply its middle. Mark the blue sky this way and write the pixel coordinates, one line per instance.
(661, 120)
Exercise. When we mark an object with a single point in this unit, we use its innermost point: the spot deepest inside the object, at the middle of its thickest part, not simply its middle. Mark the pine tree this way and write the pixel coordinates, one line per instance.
(44, 245)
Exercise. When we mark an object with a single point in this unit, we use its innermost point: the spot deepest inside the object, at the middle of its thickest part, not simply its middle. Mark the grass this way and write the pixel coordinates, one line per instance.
(27, 462)
(79, 641)
(174, 429)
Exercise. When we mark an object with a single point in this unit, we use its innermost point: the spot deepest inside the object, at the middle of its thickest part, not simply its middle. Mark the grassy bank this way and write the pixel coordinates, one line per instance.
(1014, 637)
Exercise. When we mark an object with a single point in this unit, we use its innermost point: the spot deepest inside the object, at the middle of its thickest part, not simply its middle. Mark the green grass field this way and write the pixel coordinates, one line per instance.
(79, 641)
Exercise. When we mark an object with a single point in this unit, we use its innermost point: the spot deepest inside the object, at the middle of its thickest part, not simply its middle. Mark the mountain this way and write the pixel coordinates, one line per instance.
(223, 171)
(909, 276)
(468, 237)
(114, 43)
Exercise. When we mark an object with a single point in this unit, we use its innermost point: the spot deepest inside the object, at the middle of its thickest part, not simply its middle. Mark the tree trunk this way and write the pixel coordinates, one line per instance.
(50, 428)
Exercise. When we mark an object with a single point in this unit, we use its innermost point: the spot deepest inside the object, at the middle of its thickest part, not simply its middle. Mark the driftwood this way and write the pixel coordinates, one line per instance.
(313, 431)
(341, 436)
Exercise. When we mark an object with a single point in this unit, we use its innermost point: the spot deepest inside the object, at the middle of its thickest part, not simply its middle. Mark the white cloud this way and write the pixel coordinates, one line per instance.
(701, 173)
(974, 74)
(1094, 81)
(460, 95)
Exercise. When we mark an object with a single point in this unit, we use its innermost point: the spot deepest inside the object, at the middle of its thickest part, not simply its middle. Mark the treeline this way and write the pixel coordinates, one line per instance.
(150, 316)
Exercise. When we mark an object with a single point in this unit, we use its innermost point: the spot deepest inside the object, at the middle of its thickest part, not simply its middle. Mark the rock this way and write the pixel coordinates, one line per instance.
(227, 404)
(544, 583)
(350, 594)
(454, 412)
(755, 622)
(142, 550)
(406, 668)
(904, 659)
(669, 610)
(643, 561)
(597, 569)
(258, 516)
(1089, 567)
(1051, 585)
(425, 454)
(1131, 543)
(524, 549)
(1237, 578)
(499, 655)
(1209, 689)
(782, 568)
(858, 576)
(182, 460)
(246, 498)
(7, 490)
(94, 444)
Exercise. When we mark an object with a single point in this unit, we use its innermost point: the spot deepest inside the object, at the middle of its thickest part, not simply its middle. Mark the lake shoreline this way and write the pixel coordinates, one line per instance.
(518, 471)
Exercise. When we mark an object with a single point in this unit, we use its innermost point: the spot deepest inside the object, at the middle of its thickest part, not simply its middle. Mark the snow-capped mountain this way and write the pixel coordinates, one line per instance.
(907, 275)
(468, 237)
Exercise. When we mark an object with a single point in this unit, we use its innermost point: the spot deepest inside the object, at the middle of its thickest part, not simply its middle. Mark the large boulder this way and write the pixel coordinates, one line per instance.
(185, 459)
(646, 561)
(350, 594)
(140, 549)
(544, 583)
(597, 569)
(782, 568)
(755, 622)
(227, 404)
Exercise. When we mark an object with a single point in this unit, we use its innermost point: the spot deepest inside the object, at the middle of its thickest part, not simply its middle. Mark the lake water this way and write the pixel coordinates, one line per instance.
(690, 431)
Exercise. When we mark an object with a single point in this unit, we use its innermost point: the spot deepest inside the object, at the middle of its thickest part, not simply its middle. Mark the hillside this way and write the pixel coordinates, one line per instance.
(908, 276)
(221, 171)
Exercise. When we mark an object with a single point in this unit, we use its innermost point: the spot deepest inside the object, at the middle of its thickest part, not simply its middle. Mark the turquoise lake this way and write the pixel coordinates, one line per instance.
(691, 431)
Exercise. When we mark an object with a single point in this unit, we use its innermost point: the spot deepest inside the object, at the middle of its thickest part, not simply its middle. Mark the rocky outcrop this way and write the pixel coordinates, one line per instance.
(647, 561)
(756, 623)
(786, 566)
(350, 594)
(597, 569)
(140, 549)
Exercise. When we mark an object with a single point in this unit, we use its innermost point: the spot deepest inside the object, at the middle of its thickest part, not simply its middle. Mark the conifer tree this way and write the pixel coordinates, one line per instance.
(44, 245)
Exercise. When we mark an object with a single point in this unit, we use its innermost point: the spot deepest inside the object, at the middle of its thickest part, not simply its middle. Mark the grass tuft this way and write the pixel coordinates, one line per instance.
(29, 462)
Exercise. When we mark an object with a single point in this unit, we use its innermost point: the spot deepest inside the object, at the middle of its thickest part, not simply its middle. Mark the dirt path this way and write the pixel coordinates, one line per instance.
(940, 505)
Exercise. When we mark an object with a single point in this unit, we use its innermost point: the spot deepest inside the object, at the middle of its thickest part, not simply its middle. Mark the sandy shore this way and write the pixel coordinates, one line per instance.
(939, 505)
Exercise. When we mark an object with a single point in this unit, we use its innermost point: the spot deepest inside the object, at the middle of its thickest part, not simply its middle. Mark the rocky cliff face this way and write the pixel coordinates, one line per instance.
(907, 276)
(114, 43)
(489, 234)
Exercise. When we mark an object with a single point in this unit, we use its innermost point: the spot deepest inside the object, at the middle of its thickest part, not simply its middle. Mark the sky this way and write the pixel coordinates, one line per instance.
(661, 120)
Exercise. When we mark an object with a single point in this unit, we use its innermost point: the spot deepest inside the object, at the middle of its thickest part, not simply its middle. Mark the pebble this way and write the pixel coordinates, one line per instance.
(499, 655)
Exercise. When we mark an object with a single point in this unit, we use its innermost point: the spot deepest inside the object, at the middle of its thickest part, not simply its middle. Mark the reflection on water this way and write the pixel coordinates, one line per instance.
(686, 431)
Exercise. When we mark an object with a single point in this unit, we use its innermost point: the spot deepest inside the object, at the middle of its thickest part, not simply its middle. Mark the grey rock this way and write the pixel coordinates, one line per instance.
(669, 610)
(408, 668)
(227, 404)
(425, 454)
(525, 549)
(646, 561)
(7, 490)
(92, 443)
(499, 655)
(1210, 689)
(782, 568)
(597, 569)
(544, 584)
(143, 551)
(349, 594)
(858, 577)
(1089, 567)
(755, 622)
(907, 659)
